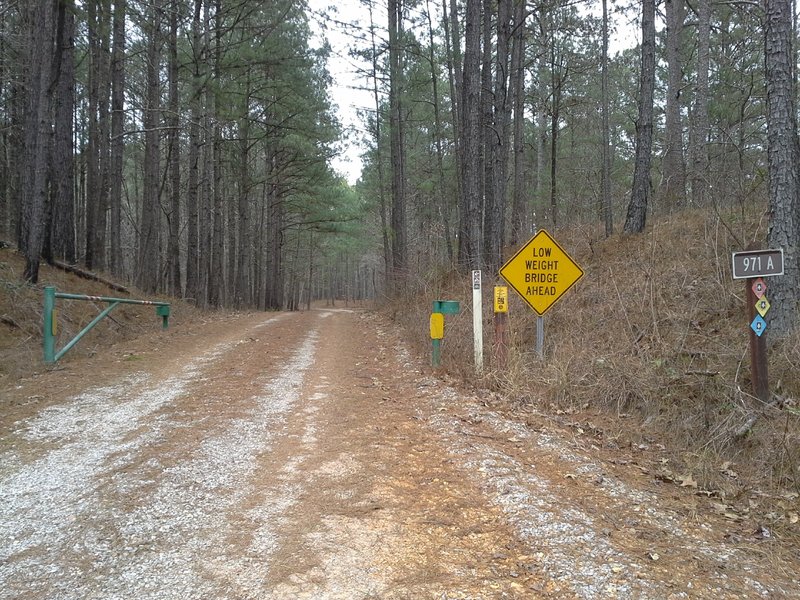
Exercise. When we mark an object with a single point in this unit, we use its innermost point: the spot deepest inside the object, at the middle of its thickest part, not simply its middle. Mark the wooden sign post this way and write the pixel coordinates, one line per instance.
(753, 266)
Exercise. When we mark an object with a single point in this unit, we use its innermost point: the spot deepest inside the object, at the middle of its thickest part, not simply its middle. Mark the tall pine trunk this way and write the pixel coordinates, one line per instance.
(117, 147)
(605, 152)
(62, 213)
(397, 147)
(782, 157)
(469, 217)
(37, 133)
(150, 223)
(637, 207)
(519, 216)
(193, 289)
(698, 143)
(498, 136)
(173, 141)
(673, 183)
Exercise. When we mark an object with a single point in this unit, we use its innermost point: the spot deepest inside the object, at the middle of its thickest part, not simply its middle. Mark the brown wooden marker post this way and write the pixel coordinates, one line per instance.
(758, 347)
(500, 326)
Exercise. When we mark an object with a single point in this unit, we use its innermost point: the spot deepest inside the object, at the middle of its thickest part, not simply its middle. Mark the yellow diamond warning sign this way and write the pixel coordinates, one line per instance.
(541, 271)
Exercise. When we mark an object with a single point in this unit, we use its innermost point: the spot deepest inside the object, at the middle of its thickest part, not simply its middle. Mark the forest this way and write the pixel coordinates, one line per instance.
(186, 145)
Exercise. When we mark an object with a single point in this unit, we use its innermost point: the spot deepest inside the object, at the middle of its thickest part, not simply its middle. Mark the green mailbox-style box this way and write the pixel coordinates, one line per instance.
(440, 308)
(446, 307)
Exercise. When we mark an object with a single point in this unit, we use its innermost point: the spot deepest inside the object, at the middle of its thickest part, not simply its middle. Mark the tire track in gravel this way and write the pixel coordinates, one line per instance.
(73, 515)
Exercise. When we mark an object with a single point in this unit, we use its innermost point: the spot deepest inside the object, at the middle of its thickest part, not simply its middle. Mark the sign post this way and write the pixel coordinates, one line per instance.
(440, 309)
(477, 321)
(541, 272)
(753, 266)
(500, 314)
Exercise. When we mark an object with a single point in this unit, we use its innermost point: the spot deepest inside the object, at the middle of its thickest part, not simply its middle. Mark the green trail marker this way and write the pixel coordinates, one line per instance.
(51, 326)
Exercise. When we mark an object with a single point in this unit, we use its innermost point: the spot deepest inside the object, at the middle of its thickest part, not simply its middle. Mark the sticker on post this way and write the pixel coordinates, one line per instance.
(759, 325)
(762, 306)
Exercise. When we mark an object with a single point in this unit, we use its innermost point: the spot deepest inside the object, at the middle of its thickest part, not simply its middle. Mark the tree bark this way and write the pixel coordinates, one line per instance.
(62, 213)
(117, 148)
(782, 157)
(193, 289)
(38, 126)
(149, 233)
(436, 134)
(173, 140)
(698, 144)
(637, 207)
(242, 295)
(519, 217)
(216, 275)
(397, 149)
(498, 136)
(469, 218)
(385, 228)
(673, 183)
(605, 152)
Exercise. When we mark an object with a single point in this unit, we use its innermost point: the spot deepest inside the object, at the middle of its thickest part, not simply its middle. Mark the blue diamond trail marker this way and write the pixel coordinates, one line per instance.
(759, 325)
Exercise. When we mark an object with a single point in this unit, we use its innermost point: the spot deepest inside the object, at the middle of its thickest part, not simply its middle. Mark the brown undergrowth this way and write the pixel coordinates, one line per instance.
(653, 345)
(21, 307)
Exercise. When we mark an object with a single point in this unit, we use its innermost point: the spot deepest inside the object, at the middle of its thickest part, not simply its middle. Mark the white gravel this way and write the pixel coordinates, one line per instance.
(73, 522)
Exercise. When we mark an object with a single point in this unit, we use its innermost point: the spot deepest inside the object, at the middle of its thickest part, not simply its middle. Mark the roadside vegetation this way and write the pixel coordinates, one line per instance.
(649, 352)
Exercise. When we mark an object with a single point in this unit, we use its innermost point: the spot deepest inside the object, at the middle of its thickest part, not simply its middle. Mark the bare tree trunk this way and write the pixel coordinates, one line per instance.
(782, 156)
(149, 234)
(673, 183)
(605, 154)
(557, 80)
(173, 121)
(698, 145)
(444, 205)
(398, 220)
(274, 283)
(486, 183)
(519, 217)
(242, 295)
(37, 138)
(469, 218)
(193, 289)
(541, 126)
(93, 147)
(637, 207)
(387, 251)
(216, 275)
(62, 214)
(117, 148)
(103, 130)
(498, 136)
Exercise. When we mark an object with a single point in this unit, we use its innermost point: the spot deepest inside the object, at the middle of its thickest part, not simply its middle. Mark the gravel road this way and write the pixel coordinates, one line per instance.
(308, 455)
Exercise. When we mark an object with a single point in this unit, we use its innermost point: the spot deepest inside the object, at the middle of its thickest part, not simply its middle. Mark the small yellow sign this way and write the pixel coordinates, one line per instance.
(762, 306)
(541, 271)
(437, 326)
(500, 299)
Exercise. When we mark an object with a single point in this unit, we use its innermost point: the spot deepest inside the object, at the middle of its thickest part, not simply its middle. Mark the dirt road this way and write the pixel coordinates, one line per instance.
(307, 455)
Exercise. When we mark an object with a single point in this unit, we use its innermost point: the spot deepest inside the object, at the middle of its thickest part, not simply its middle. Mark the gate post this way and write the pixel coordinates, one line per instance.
(49, 325)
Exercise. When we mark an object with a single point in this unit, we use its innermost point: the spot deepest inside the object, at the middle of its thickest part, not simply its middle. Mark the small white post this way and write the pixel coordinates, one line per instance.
(477, 320)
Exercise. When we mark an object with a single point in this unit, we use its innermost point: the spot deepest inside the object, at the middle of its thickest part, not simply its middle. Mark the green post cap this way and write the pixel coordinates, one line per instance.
(446, 307)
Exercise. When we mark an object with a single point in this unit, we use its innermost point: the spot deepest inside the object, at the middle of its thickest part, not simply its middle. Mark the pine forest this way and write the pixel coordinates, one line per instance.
(187, 145)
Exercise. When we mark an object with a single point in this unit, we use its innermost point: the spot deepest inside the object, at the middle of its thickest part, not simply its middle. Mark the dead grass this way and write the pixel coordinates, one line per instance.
(21, 308)
(654, 339)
